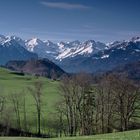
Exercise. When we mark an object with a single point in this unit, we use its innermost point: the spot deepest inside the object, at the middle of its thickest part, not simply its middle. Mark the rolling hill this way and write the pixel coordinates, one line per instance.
(128, 135)
(41, 67)
(15, 84)
(131, 70)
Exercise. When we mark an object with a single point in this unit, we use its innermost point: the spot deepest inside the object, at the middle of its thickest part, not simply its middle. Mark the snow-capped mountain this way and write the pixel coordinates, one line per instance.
(2, 39)
(76, 48)
(11, 40)
(68, 50)
(57, 51)
(63, 50)
(12, 48)
(118, 53)
(75, 56)
(44, 49)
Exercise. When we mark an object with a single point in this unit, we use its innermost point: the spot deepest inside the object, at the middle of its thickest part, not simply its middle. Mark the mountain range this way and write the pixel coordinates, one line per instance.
(75, 56)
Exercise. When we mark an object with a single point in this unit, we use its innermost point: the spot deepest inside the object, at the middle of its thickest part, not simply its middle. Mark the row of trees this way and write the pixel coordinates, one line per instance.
(90, 107)
(87, 106)
(15, 111)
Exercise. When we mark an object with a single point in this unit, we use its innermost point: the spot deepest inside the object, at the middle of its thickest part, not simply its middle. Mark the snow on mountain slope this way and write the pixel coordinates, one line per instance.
(62, 50)
(132, 44)
(34, 43)
(2, 39)
(15, 39)
(12, 48)
(44, 49)
(135, 39)
(11, 40)
(53, 51)
(68, 50)
(75, 50)
(72, 49)
(117, 53)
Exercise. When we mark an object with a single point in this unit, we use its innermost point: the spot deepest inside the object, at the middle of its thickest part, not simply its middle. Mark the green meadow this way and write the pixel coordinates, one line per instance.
(130, 135)
(11, 83)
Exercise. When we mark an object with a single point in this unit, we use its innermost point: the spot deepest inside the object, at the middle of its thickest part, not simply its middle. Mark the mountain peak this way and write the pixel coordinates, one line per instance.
(48, 42)
(14, 40)
(34, 41)
(135, 39)
(2, 38)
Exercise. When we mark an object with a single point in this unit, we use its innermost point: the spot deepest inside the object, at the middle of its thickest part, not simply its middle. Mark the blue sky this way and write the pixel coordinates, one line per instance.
(67, 20)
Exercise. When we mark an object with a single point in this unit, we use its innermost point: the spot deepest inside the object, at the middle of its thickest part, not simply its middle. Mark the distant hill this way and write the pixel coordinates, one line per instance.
(132, 70)
(41, 67)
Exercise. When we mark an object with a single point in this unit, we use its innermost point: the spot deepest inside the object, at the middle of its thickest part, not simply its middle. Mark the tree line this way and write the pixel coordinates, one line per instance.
(112, 103)
(14, 111)
(88, 106)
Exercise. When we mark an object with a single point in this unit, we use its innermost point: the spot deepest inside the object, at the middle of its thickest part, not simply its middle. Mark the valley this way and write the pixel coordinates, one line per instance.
(66, 89)
(13, 84)
(70, 69)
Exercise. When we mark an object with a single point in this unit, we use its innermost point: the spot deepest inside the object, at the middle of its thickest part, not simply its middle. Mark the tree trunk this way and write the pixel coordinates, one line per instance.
(39, 131)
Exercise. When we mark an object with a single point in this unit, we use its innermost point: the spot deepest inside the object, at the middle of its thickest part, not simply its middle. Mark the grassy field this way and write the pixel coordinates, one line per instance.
(130, 135)
(11, 83)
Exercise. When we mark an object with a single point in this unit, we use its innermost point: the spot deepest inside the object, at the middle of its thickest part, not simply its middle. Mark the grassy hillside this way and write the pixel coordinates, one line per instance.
(11, 83)
(130, 135)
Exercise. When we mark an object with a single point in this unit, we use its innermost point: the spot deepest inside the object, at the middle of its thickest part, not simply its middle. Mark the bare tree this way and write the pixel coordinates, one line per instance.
(60, 112)
(25, 114)
(100, 107)
(77, 98)
(106, 102)
(16, 100)
(7, 120)
(128, 98)
(2, 102)
(68, 88)
(36, 92)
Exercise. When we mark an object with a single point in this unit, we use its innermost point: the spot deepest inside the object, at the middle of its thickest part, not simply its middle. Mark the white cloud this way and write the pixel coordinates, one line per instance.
(63, 5)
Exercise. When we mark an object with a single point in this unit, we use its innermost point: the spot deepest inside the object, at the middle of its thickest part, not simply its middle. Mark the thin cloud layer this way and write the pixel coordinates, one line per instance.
(63, 5)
